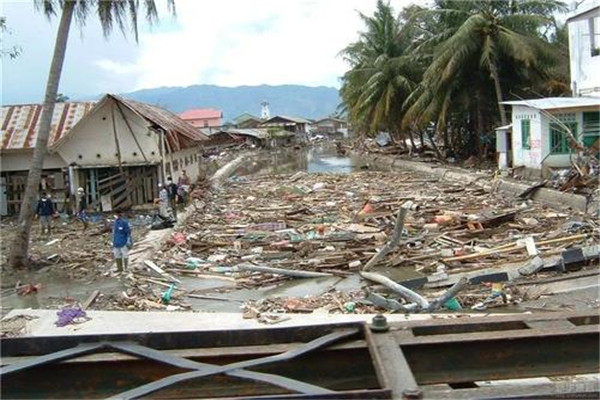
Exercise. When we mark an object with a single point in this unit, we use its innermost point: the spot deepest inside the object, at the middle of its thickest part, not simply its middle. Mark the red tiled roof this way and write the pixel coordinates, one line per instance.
(20, 123)
(201, 113)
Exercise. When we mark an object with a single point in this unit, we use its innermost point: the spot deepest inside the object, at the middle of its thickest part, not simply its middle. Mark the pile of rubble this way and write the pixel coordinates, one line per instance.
(260, 231)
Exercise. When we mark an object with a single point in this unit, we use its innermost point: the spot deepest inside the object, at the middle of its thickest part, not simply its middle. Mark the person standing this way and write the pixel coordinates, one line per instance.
(82, 207)
(121, 241)
(184, 187)
(163, 201)
(172, 190)
(44, 211)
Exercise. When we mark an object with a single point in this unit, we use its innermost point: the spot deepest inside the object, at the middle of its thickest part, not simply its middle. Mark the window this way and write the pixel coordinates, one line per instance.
(526, 134)
(559, 143)
(594, 26)
(591, 128)
(206, 123)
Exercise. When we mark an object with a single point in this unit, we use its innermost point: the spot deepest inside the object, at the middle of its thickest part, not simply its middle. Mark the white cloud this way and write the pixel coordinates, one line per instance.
(234, 42)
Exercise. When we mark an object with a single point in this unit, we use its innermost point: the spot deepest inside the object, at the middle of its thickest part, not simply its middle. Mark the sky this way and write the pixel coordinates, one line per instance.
(225, 42)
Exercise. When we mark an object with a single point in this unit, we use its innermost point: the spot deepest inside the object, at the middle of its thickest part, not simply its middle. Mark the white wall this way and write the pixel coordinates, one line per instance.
(585, 78)
(540, 139)
(92, 141)
(192, 169)
(21, 161)
(530, 158)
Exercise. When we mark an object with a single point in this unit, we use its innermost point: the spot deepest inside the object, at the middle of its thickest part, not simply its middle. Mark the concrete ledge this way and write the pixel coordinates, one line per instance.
(107, 322)
(486, 181)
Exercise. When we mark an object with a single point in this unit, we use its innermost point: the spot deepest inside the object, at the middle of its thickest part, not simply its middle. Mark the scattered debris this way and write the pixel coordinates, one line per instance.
(71, 315)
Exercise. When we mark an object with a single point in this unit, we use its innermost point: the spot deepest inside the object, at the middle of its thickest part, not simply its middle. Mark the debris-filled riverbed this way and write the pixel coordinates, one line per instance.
(271, 244)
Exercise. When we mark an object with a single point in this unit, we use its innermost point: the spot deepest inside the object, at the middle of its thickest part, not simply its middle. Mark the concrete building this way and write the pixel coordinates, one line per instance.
(584, 49)
(539, 136)
(202, 117)
(116, 149)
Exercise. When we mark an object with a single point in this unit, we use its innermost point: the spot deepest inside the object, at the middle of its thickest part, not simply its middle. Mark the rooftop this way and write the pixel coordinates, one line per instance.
(549, 103)
(20, 123)
(201, 113)
(297, 120)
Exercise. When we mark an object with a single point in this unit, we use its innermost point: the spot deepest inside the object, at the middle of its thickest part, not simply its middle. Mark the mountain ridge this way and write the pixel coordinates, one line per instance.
(294, 100)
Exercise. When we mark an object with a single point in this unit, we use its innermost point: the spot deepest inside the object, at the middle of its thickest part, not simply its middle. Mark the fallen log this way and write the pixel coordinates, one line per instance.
(281, 271)
(398, 288)
(395, 239)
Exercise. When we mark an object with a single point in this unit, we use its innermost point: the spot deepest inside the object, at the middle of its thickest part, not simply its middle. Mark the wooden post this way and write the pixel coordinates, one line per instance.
(112, 113)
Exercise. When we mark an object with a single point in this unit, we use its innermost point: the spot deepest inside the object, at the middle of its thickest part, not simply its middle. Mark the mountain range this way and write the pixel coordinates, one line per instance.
(292, 100)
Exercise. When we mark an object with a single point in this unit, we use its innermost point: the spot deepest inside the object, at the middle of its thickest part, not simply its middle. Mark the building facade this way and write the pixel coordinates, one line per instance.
(203, 117)
(584, 49)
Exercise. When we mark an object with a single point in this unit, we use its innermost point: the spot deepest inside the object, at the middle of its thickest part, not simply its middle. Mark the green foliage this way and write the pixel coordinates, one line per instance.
(447, 67)
(12, 52)
(120, 13)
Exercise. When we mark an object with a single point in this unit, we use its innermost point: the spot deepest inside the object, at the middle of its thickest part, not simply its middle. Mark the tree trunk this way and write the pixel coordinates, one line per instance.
(421, 138)
(435, 148)
(496, 79)
(20, 246)
(446, 141)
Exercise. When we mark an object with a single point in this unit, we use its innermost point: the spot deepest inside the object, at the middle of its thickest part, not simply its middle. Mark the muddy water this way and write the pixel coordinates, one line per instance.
(56, 286)
(318, 159)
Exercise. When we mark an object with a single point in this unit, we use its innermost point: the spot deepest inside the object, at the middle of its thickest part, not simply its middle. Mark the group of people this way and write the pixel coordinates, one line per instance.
(173, 195)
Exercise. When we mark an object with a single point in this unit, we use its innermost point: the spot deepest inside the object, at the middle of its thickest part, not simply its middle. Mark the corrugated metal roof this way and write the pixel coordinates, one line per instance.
(257, 133)
(585, 14)
(201, 113)
(298, 120)
(549, 103)
(20, 123)
(163, 118)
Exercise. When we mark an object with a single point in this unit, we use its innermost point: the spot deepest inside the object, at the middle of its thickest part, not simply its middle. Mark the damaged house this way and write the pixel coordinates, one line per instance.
(117, 149)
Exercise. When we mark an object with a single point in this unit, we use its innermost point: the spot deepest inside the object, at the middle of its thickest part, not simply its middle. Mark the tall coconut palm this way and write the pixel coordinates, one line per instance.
(480, 46)
(382, 74)
(123, 14)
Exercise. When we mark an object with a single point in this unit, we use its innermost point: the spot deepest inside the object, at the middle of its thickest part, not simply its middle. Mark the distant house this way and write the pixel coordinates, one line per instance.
(116, 149)
(584, 49)
(222, 138)
(538, 131)
(202, 117)
(330, 126)
(297, 125)
(247, 121)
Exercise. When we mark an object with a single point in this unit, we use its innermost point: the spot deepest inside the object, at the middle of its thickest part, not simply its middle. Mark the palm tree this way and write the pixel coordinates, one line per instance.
(479, 49)
(122, 13)
(382, 74)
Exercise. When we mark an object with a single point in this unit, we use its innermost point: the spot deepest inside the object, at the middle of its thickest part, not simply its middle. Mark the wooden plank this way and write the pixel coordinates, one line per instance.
(90, 300)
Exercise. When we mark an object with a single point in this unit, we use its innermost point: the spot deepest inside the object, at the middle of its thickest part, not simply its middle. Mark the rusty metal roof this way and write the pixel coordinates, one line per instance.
(20, 123)
(165, 119)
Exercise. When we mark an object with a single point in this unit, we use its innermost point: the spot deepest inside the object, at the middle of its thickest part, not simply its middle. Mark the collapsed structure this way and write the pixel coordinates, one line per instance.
(116, 149)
